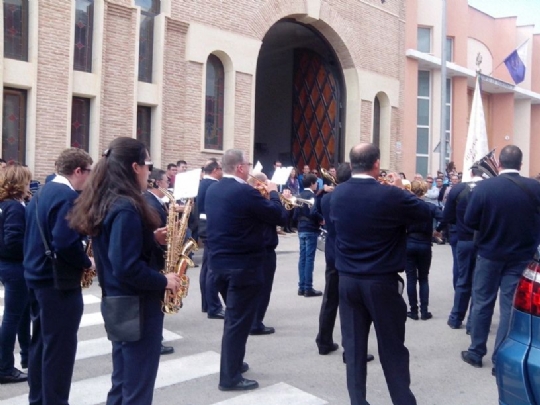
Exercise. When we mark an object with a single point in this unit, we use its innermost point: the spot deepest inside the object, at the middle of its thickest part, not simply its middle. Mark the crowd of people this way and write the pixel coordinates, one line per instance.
(378, 225)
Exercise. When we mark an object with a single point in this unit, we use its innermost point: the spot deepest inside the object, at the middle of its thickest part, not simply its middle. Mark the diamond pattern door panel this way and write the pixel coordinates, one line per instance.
(315, 111)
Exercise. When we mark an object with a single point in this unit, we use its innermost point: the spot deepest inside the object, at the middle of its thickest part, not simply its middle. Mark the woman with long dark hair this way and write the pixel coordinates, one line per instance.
(14, 187)
(124, 232)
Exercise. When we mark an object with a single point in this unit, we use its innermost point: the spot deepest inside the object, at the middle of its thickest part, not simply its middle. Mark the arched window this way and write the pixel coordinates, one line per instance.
(215, 96)
(16, 29)
(377, 122)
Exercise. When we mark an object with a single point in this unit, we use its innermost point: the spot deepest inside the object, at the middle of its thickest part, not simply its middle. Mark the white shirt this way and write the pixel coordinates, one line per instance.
(363, 176)
(232, 176)
(509, 171)
(62, 180)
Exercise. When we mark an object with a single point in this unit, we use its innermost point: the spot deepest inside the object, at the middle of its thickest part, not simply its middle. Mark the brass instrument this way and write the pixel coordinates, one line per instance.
(487, 165)
(87, 277)
(301, 201)
(177, 256)
(288, 204)
(326, 174)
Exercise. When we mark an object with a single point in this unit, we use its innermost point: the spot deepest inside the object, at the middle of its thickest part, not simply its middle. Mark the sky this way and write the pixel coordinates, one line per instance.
(527, 11)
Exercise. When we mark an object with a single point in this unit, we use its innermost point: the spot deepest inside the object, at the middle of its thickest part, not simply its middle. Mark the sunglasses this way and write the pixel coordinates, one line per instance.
(150, 165)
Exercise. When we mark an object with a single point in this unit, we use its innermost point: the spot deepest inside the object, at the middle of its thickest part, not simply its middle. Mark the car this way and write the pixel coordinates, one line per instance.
(517, 367)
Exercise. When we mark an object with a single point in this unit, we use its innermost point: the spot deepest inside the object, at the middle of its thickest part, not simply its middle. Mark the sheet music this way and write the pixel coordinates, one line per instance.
(186, 185)
(281, 175)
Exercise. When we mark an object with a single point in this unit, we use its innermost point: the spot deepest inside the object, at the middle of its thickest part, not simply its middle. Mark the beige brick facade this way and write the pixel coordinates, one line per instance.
(366, 36)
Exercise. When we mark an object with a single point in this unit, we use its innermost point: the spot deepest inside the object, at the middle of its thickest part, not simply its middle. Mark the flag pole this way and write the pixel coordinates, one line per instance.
(496, 67)
(442, 162)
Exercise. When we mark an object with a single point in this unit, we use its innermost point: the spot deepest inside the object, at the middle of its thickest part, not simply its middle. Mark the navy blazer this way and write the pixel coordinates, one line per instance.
(158, 206)
(370, 221)
(123, 251)
(55, 202)
(12, 224)
(235, 212)
(505, 217)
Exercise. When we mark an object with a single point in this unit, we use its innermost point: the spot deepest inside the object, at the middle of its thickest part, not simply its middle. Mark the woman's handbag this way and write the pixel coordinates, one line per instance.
(122, 316)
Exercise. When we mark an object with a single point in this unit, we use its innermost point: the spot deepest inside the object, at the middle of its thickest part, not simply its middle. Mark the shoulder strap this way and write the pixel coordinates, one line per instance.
(525, 189)
(48, 251)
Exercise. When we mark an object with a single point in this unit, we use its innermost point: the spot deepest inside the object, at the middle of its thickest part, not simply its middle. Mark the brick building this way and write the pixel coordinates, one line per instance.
(296, 80)
(282, 79)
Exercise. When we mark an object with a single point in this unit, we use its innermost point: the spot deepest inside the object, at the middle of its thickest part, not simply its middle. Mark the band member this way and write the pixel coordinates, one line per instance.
(505, 212)
(269, 264)
(124, 232)
(209, 293)
(370, 220)
(235, 212)
(419, 235)
(56, 304)
(154, 196)
(14, 186)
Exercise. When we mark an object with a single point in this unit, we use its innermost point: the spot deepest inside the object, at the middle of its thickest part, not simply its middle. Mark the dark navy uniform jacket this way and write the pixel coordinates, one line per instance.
(370, 221)
(55, 202)
(235, 212)
(12, 224)
(123, 251)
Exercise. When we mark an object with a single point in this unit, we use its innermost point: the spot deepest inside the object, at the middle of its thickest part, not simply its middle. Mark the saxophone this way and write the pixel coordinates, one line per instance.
(87, 277)
(177, 256)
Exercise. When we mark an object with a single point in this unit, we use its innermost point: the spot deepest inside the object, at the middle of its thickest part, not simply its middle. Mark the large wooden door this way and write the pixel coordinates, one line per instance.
(316, 112)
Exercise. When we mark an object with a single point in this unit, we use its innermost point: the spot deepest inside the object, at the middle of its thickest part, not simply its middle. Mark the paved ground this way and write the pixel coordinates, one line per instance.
(286, 364)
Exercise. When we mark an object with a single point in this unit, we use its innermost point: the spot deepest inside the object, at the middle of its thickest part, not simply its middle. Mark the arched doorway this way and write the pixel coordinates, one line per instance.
(299, 99)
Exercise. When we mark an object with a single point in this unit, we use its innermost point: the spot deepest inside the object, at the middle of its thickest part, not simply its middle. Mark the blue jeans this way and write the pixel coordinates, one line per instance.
(489, 277)
(466, 261)
(417, 270)
(16, 320)
(306, 262)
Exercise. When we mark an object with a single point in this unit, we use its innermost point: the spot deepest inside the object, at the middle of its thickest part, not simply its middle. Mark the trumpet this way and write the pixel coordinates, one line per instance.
(326, 174)
(287, 203)
(301, 201)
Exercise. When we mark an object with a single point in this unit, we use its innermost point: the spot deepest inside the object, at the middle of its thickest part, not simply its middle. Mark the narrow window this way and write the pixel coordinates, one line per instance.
(84, 22)
(215, 96)
(424, 39)
(377, 122)
(144, 125)
(149, 9)
(80, 123)
(423, 122)
(16, 29)
(14, 125)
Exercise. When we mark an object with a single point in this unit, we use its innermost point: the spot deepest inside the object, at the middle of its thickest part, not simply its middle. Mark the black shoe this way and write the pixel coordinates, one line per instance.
(312, 293)
(196, 265)
(243, 385)
(245, 367)
(15, 377)
(453, 326)
(24, 364)
(426, 315)
(467, 358)
(301, 292)
(412, 315)
(166, 350)
(493, 373)
(324, 350)
(267, 330)
(217, 315)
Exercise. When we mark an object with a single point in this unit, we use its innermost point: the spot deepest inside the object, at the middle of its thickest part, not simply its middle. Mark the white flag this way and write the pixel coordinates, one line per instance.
(477, 143)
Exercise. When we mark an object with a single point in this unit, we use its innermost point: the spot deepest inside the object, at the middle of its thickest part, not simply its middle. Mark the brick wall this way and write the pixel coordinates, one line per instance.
(53, 87)
(366, 121)
(119, 64)
(242, 113)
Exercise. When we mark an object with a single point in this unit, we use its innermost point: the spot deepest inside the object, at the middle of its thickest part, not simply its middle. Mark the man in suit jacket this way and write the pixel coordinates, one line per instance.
(209, 292)
(505, 212)
(370, 250)
(235, 212)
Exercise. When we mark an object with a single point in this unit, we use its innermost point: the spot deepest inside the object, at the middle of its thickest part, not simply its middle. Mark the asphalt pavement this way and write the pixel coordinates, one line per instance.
(286, 364)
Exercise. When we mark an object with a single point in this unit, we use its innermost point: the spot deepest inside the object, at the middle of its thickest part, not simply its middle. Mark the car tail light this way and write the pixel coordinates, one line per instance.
(527, 297)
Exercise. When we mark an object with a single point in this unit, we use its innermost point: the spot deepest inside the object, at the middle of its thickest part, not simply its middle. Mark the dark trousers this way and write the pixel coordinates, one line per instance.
(455, 267)
(56, 316)
(209, 291)
(417, 270)
(16, 319)
(135, 364)
(466, 260)
(490, 276)
(269, 270)
(361, 302)
(329, 308)
(243, 288)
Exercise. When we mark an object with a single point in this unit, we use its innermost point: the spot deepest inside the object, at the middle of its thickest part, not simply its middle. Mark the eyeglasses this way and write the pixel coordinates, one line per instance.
(150, 165)
(86, 170)
(246, 163)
